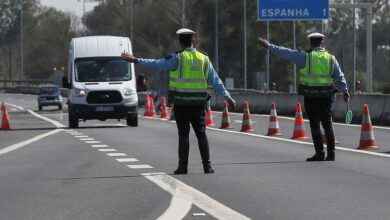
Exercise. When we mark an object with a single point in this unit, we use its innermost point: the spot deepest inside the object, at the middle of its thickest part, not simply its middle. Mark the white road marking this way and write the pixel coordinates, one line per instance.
(140, 166)
(294, 141)
(76, 134)
(82, 136)
(87, 139)
(124, 160)
(116, 154)
(109, 125)
(107, 150)
(93, 142)
(15, 106)
(306, 120)
(199, 214)
(188, 195)
(99, 145)
(28, 141)
(56, 123)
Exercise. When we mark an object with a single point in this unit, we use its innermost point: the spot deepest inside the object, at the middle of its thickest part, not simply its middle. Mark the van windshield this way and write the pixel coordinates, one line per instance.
(102, 69)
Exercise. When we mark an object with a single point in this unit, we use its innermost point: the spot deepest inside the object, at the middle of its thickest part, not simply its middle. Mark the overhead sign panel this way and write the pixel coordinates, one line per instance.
(293, 9)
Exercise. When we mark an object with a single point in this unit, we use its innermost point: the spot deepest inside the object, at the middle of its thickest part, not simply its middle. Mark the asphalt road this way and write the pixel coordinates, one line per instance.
(105, 170)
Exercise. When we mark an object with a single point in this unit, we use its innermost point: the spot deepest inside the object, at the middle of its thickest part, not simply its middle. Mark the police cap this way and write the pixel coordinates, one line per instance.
(315, 35)
(185, 31)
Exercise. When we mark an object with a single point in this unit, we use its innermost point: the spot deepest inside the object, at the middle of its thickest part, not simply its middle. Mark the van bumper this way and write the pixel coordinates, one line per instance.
(102, 112)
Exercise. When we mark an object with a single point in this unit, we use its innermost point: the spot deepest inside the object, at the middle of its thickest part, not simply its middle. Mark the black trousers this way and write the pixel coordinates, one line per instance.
(319, 110)
(194, 115)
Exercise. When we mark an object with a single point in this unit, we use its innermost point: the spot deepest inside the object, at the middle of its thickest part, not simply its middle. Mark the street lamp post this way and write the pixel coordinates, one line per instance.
(21, 41)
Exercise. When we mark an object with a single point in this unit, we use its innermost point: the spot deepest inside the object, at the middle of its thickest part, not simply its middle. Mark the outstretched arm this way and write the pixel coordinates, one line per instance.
(297, 57)
(167, 63)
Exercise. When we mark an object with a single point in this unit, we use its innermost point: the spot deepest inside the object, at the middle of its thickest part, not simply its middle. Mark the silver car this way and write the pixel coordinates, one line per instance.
(49, 95)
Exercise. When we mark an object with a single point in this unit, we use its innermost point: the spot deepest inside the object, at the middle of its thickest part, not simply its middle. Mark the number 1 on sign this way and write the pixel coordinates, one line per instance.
(324, 11)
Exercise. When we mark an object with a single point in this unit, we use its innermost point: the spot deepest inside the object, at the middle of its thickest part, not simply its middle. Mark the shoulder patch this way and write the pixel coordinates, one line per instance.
(330, 53)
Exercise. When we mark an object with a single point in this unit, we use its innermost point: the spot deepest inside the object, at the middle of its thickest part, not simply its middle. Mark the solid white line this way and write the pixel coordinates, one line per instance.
(140, 166)
(56, 123)
(116, 154)
(295, 141)
(28, 141)
(306, 120)
(15, 106)
(124, 160)
(93, 142)
(87, 139)
(190, 195)
(107, 150)
(99, 145)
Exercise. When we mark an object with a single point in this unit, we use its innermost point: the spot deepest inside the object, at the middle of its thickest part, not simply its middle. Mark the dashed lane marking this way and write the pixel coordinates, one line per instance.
(116, 154)
(124, 160)
(140, 166)
(99, 145)
(87, 139)
(107, 150)
(82, 136)
(93, 142)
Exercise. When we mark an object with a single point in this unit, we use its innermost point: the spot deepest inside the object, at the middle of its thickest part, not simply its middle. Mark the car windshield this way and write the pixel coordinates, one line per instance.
(49, 91)
(102, 69)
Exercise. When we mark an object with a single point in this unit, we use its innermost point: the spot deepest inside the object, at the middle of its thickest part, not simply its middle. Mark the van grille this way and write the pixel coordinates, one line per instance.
(99, 97)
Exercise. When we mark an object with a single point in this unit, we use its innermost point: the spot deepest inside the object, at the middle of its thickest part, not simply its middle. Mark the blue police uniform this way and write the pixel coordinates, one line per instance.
(318, 109)
(186, 115)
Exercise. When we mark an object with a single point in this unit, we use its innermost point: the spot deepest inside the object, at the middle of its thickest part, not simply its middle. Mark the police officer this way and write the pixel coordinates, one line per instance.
(190, 70)
(320, 73)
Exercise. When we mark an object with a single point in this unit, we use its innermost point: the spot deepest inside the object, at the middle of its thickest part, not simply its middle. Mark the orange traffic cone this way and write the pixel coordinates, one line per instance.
(273, 129)
(172, 118)
(149, 107)
(367, 140)
(5, 118)
(299, 126)
(164, 113)
(246, 119)
(225, 123)
(209, 116)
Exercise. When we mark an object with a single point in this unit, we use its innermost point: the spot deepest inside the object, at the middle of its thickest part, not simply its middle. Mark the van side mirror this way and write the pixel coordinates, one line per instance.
(65, 82)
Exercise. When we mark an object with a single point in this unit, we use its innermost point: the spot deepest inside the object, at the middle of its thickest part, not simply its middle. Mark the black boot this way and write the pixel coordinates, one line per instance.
(318, 156)
(181, 169)
(207, 168)
(330, 156)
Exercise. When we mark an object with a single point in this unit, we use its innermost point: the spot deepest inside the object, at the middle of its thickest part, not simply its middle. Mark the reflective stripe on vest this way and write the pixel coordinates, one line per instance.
(188, 84)
(316, 78)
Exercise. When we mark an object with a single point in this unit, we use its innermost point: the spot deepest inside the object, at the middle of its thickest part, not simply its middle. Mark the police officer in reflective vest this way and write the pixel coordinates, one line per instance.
(190, 70)
(320, 78)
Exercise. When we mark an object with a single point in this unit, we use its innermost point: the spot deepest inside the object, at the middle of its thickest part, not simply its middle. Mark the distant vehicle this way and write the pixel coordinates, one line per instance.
(101, 84)
(49, 95)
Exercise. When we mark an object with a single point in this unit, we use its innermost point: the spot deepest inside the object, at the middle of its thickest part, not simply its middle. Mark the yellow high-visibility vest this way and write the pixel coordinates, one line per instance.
(188, 83)
(316, 78)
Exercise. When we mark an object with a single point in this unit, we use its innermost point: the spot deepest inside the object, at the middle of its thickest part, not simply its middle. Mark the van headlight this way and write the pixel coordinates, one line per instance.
(78, 92)
(128, 91)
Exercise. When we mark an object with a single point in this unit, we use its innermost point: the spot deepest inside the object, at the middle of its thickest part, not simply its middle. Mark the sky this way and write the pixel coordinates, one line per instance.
(75, 6)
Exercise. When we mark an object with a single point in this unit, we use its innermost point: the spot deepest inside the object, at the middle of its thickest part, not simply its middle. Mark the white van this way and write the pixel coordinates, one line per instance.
(101, 85)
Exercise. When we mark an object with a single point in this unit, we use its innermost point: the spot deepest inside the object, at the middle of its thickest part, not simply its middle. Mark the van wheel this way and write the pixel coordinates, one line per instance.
(132, 121)
(40, 107)
(73, 121)
(59, 107)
